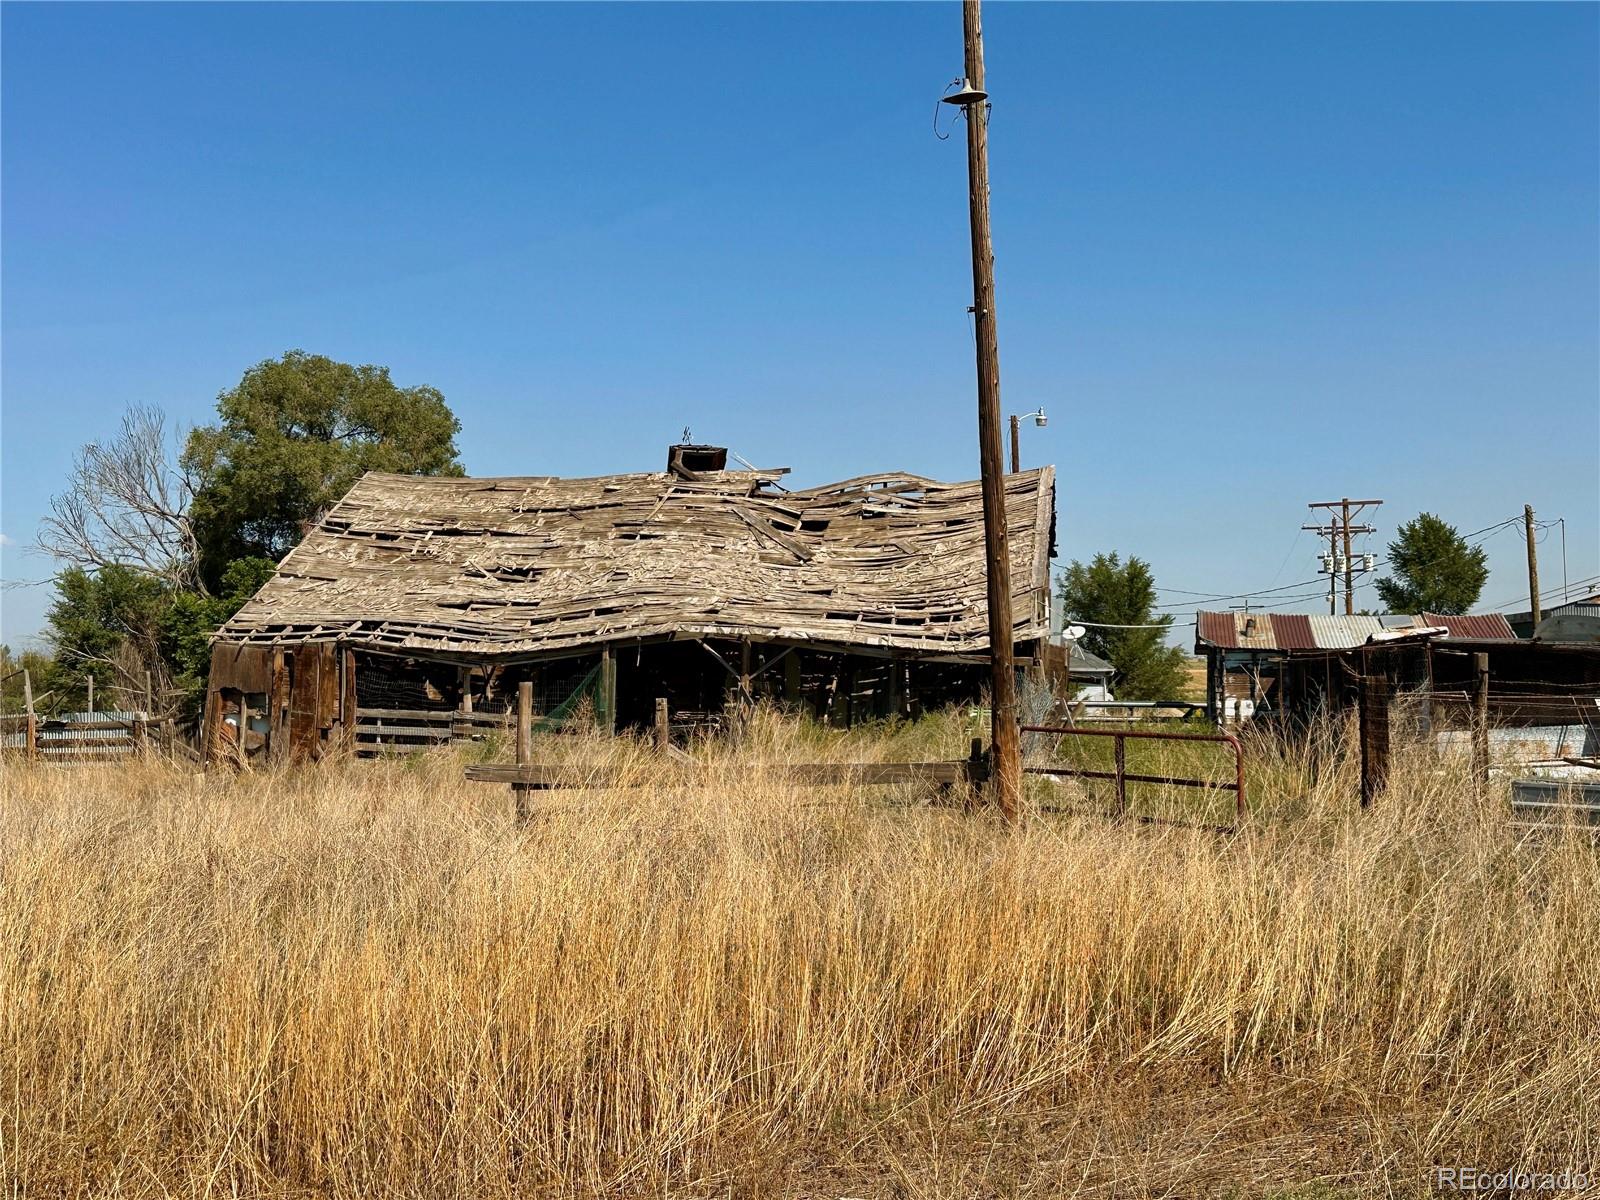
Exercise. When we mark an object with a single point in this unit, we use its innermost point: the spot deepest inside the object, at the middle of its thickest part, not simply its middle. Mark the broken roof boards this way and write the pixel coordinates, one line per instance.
(529, 567)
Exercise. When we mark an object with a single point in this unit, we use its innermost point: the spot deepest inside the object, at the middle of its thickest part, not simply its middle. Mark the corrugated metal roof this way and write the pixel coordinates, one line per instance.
(1215, 629)
(1485, 625)
(1341, 632)
(1301, 631)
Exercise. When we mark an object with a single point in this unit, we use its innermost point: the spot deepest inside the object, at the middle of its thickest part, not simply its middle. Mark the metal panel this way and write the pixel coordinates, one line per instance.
(1293, 631)
(1341, 632)
(1216, 629)
(1483, 626)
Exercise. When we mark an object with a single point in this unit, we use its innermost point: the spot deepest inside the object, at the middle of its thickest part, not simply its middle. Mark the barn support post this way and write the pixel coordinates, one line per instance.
(608, 690)
(347, 696)
(1480, 717)
(519, 791)
(279, 687)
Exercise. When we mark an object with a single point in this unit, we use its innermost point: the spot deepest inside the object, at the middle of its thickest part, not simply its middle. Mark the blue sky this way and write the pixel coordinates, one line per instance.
(1248, 256)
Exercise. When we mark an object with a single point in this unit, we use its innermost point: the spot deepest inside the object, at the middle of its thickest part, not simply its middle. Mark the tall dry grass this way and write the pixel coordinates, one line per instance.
(366, 980)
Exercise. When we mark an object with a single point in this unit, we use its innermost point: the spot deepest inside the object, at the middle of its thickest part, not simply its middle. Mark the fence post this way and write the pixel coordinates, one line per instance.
(519, 791)
(1120, 745)
(31, 730)
(1374, 732)
(663, 733)
(1480, 721)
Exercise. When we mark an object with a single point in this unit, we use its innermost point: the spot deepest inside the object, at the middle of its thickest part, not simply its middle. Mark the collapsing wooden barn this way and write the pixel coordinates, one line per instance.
(417, 606)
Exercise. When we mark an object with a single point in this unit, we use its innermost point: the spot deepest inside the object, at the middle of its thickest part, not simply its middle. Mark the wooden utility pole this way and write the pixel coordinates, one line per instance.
(1533, 565)
(1006, 734)
(1016, 444)
(1338, 528)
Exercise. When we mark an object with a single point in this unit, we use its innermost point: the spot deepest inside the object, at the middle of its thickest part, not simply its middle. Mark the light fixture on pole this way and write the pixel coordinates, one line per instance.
(965, 95)
(1039, 419)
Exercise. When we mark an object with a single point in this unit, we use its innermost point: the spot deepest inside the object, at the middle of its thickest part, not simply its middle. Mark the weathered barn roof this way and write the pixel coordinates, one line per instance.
(1300, 631)
(532, 566)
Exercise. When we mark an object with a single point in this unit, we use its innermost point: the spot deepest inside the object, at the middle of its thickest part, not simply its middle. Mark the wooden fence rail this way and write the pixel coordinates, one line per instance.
(400, 730)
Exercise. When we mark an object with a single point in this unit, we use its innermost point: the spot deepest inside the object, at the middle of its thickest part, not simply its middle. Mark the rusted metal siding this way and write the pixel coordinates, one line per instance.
(1269, 632)
(1293, 631)
(1216, 629)
(1486, 626)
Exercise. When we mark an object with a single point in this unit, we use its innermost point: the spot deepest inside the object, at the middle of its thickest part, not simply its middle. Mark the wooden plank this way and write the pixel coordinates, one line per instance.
(278, 701)
(547, 776)
(348, 706)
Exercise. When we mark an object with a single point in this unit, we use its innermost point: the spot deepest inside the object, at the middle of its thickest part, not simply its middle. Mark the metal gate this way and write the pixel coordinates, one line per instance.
(1122, 777)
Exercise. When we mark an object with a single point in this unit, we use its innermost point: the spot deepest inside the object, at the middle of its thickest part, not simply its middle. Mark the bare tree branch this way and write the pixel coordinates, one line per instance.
(127, 502)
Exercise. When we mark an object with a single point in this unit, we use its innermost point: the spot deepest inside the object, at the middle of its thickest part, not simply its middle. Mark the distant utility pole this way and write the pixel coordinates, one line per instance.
(1005, 729)
(1533, 565)
(1337, 531)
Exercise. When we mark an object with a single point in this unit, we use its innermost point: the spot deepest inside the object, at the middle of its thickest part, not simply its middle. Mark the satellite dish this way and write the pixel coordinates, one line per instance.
(1072, 633)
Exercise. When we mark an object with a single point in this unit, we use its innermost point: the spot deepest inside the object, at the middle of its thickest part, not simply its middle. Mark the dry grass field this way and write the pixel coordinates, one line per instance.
(367, 980)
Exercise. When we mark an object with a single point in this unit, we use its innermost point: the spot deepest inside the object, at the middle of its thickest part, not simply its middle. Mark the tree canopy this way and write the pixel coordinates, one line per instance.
(157, 553)
(1110, 592)
(104, 625)
(294, 435)
(1434, 569)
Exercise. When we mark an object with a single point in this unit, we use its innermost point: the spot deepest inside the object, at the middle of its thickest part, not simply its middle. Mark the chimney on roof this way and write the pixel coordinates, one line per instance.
(688, 461)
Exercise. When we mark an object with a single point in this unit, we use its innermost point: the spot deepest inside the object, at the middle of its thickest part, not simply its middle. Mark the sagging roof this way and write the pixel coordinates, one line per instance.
(541, 565)
(1301, 631)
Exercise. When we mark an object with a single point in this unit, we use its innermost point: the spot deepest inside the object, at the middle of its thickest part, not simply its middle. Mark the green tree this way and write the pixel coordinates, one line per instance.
(1434, 569)
(188, 621)
(12, 664)
(1110, 592)
(104, 625)
(294, 435)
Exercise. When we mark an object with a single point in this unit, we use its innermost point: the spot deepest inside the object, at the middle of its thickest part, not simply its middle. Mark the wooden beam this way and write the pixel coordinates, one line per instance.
(543, 775)
(524, 746)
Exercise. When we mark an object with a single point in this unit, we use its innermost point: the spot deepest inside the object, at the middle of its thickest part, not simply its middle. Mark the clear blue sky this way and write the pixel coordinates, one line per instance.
(1248, 256)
